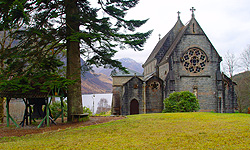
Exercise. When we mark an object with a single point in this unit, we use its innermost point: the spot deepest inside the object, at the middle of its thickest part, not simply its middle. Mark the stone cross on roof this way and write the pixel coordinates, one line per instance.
(192, 9)
(178, 12)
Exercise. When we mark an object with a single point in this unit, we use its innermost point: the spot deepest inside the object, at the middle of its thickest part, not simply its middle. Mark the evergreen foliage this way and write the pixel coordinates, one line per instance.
(44, 28)
(184, 101)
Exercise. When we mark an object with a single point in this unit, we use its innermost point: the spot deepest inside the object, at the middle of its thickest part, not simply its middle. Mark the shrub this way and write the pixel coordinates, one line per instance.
(55, 108)
(108, 113)
(87, 110)
(184, 101)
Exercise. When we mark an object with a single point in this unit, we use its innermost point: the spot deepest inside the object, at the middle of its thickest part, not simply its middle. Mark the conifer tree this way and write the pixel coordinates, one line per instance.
(74, 25)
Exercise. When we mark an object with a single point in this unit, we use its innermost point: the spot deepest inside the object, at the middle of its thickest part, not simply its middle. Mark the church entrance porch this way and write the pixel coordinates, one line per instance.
(134, 107)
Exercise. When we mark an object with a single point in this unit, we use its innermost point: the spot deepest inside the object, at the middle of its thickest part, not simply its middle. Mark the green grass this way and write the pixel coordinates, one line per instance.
(150, 131)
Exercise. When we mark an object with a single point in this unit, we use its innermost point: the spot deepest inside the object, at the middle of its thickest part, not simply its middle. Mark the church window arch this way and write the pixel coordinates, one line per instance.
(194, 60)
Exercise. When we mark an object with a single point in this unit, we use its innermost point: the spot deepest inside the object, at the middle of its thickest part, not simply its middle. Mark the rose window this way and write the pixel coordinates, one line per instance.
(194, 60)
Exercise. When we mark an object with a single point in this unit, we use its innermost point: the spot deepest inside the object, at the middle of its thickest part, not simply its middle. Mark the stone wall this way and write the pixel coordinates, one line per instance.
(154, 95)
(132, 90)
(116, 100)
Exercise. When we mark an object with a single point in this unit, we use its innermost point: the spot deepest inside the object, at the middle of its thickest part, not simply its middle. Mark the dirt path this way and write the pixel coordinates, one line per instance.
(31, 129)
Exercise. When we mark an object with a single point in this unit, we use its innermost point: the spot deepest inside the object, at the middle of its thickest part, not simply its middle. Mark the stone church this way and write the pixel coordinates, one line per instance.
(183, 60)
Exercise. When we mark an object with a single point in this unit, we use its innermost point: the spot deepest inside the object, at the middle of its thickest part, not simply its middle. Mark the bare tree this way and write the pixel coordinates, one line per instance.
(230, 64)
(245, 58)
(103, 106)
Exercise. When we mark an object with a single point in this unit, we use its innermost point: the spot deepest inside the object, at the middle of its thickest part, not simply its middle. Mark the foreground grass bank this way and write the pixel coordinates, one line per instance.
(150, 131)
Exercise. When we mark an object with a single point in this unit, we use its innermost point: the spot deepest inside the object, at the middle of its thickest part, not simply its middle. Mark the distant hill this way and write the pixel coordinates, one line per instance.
(100, 81)
(96, 83)
(126, 62)
(243, 90)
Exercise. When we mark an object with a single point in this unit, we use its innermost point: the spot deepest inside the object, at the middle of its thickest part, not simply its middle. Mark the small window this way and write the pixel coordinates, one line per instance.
(195, 91)
(193, 28)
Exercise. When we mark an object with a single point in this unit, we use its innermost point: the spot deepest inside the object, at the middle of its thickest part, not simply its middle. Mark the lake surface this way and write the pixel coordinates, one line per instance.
(88, 99)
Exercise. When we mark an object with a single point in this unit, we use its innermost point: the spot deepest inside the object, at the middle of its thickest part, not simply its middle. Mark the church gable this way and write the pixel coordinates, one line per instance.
(193, 36)
(195, 52)
(193, 27)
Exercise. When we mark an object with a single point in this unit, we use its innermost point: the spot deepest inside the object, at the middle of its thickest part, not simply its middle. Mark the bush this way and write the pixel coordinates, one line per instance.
(108, 113)
(87, 110)
(184, 101)
(55, 108)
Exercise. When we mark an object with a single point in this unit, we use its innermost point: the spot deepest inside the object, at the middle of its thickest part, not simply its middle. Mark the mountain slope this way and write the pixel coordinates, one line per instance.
(100, 81)
(96, 83)
(126, 62)
(243, 90)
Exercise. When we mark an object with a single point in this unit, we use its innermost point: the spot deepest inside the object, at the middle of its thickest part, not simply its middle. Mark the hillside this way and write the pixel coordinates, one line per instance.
(96, 83)
(243, 90)
(126, 62)
(100, 81)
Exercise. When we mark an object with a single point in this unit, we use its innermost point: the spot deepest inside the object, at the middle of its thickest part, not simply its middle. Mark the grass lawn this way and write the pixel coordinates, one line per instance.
(150, 131)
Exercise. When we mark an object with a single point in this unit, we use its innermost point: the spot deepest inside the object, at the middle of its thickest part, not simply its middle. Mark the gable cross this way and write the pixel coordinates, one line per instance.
(178, 12)
(192, 9)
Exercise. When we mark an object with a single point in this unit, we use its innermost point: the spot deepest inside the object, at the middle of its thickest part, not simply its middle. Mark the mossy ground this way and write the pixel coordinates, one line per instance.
(149, 131)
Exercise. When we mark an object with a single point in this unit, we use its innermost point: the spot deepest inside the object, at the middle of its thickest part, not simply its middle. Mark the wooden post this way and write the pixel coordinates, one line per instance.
(7, 112)
(61, 98)
(47, 111)
(29, 113)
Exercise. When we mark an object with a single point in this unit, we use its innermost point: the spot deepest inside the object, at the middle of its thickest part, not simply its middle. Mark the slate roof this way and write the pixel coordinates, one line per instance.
(164, 44)
(130, 74)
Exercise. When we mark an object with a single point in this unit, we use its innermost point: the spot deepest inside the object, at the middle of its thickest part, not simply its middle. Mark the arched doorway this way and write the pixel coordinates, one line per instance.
(134, 107)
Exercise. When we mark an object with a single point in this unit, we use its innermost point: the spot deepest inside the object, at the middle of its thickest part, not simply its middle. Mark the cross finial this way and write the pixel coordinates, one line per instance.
(192, 9)
(178, 12)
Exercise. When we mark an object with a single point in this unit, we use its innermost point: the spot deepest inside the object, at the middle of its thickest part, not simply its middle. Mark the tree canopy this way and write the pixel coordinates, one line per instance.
(44, 28)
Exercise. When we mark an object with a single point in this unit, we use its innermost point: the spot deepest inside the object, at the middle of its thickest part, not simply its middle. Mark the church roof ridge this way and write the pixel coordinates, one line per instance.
(159, 45)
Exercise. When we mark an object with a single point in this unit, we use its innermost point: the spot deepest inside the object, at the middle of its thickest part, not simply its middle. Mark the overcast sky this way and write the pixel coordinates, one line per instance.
(225, 22)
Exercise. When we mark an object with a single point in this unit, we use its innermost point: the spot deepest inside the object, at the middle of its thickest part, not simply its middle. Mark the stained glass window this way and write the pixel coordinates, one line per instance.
(194, 60)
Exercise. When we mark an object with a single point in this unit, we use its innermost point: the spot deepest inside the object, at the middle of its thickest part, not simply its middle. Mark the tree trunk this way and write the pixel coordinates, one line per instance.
(74, 98)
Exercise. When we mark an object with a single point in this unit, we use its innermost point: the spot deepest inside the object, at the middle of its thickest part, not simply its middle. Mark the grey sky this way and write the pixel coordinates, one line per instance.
(225, 22)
